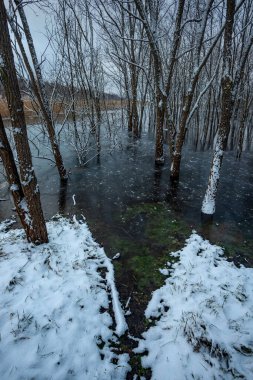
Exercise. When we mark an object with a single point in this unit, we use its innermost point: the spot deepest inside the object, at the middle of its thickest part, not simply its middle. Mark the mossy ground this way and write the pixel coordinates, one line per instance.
(152, 233)
(236, 242)
(240, 253)
(146, 235)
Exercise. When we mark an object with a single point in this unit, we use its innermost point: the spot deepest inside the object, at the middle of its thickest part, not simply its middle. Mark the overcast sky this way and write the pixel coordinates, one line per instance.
(37, 22)
(37, 19)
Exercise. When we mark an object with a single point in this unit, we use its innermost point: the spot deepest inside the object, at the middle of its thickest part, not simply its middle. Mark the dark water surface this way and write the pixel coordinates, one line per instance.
(124, 195)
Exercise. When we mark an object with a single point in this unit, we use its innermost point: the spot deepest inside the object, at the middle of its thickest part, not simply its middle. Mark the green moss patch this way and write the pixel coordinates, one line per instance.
(240, 252)
(152, 232)
(159, 224)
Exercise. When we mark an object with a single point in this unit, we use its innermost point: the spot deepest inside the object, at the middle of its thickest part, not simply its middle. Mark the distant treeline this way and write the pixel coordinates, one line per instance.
(57, 88)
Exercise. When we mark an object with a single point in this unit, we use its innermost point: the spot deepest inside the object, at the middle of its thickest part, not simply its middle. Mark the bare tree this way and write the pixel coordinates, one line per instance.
(162, 92)
(30, 204)
(38, 84)
(82, 72)
(198, 64)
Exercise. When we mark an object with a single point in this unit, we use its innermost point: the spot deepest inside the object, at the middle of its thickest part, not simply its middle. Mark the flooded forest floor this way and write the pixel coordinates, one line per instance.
(133, 209)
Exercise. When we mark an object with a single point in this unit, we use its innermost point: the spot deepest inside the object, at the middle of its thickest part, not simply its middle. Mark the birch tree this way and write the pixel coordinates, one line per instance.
(208, 206)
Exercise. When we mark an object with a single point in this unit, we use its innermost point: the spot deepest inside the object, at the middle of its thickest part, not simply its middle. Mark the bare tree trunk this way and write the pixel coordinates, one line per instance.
(13, 178)
(44, 102)
(160, 95)
(72, 87)
(31, 202)
(176, 161)
(208, 206)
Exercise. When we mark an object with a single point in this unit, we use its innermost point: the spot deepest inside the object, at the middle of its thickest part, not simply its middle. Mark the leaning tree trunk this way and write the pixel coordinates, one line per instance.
(31, 202)
(13, 179)
(208, 206)
(43, 101)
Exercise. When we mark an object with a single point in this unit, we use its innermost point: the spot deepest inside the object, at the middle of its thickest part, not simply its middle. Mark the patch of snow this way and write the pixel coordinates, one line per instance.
(203, 318)
(117, 256)
(54, 307)
(24, 206)
(159, 160)
(74, 199)
(26, 182)
(36, 189)
(29, 176)
(14, 187)
(121, 325)
(164, 271)
(1, 60)
(6, 224)
(127, 302)
(16, 130)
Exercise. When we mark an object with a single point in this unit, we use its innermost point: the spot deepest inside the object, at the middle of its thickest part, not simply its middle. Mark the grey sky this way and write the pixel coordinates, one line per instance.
(37, 21)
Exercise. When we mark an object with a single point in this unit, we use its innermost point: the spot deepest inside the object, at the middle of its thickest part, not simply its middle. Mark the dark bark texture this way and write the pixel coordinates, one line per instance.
(31, 204)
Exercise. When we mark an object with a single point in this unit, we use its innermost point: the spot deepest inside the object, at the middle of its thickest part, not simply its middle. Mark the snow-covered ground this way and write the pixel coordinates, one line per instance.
(203, 318)
(60, 313)
(54, 307)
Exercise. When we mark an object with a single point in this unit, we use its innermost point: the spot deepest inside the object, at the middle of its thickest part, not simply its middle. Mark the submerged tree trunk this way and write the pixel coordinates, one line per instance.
(242, 131)
(31, 202)
(208, 206)
(162, 90)
(160, 97)
(177, 154)
(176, 160)
(160, 114)
(133, 117)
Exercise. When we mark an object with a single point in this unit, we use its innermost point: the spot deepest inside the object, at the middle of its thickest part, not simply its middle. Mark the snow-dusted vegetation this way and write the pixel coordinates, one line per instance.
(61, 317)
(59, 308)
(203, 318)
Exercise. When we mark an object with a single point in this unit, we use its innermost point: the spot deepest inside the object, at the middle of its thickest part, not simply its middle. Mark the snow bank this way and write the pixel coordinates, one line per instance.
(54, 301)
(203, 318)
